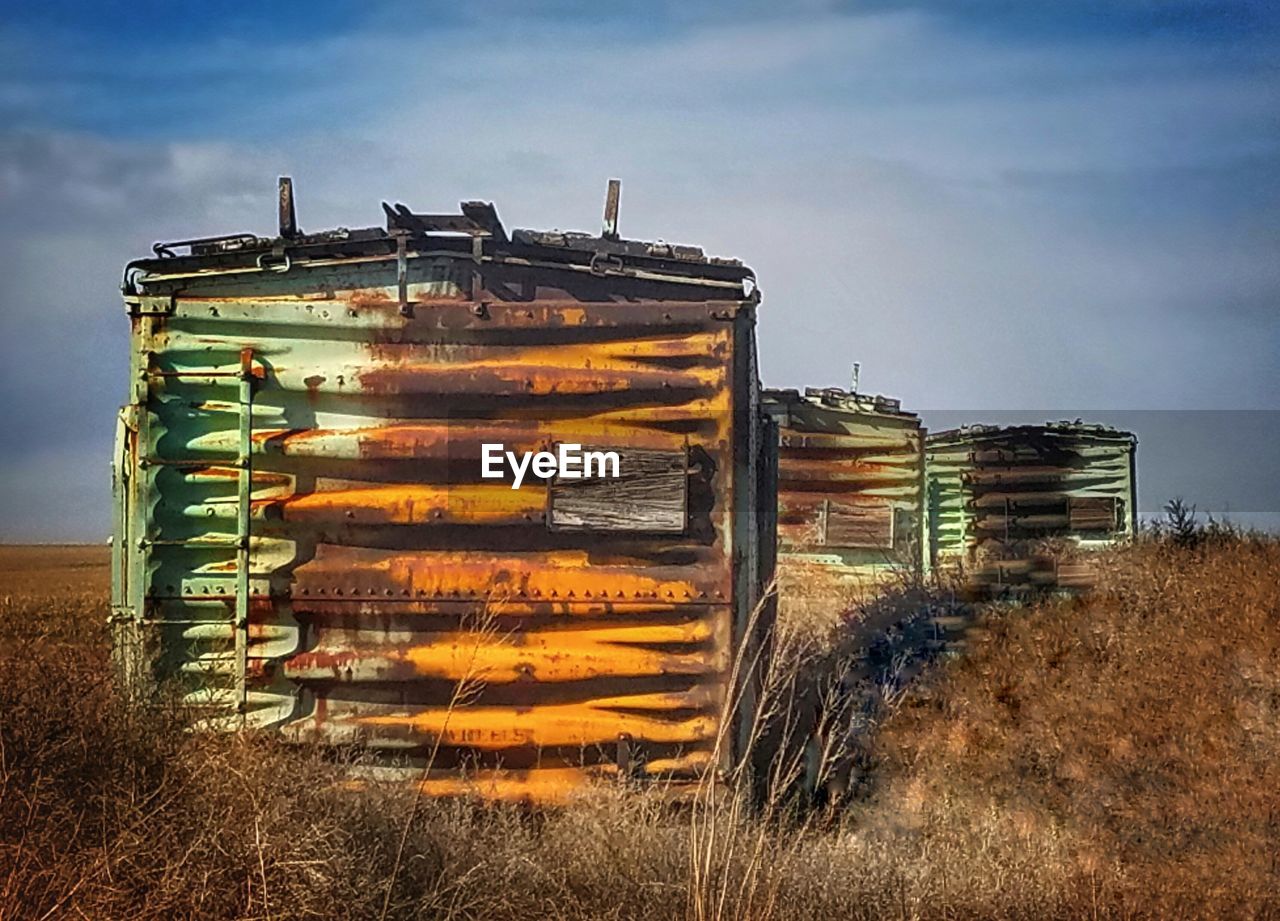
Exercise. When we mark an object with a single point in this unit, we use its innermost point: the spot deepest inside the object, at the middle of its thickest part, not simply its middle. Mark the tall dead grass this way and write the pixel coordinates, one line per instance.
(1138, 728)
(1109, 757)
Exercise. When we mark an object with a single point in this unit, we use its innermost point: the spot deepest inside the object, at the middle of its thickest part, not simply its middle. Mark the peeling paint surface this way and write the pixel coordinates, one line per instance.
(307, 422)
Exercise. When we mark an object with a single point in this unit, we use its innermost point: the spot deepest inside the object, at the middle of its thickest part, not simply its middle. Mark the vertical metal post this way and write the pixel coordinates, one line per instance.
(924, 507)
(402, 272)
(139, 524)
(1133, 488)
(288, 216)
(623, 756)
(243, 512)
(611, 200)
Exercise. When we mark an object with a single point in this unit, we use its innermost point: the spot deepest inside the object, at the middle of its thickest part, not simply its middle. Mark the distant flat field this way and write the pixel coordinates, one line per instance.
(45, 569)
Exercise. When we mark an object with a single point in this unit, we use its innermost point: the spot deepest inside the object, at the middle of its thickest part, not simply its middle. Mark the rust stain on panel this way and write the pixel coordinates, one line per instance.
(383, 568)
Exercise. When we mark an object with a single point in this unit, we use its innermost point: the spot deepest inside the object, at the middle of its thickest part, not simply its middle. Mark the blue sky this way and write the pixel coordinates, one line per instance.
(1057, 208)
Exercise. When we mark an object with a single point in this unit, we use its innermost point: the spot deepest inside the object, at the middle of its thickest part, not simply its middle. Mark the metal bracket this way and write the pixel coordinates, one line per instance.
(275, 261)
(402, 271)
(603, 263)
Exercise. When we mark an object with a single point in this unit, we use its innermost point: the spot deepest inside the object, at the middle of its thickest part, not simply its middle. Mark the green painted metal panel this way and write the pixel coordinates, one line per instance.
(998, 497)
(304, 541)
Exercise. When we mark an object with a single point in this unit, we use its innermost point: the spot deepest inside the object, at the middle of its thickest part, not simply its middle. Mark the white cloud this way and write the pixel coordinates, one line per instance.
(894, 184)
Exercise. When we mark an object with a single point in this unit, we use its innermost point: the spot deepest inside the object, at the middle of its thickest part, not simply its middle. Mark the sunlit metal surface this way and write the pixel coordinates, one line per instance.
(305, 422)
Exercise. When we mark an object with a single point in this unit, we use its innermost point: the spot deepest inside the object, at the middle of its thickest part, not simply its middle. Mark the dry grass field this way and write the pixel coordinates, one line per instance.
(1117, 756)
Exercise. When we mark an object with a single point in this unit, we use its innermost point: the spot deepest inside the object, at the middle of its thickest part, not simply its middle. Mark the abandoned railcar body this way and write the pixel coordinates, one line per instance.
(1008, 505)
(305, 540)
(850, 489)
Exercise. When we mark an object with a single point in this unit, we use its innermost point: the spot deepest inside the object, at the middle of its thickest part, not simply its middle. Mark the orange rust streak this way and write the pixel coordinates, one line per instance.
(595, 722)
(566, 369)
(867, 467)
(445, 440)
(576, 577)
(495, 503)
(556, 576)
(711, 409)
(550, 785)
(539, 380)
(617, 354)
(218, 474)
(551, 656)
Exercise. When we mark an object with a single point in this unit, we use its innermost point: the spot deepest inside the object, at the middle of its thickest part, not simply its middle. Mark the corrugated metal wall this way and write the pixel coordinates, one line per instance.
(998, 496)
(850, 487)
(306, 423)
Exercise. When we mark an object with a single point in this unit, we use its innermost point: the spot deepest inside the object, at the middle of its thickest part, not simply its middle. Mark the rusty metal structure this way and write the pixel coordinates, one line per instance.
(1006, 505)
(304, 540)
(850, 487)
